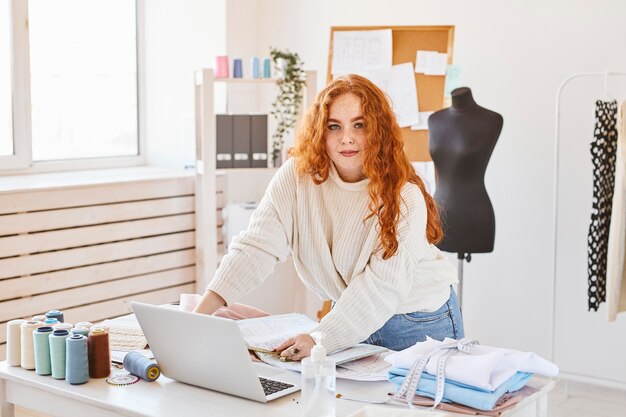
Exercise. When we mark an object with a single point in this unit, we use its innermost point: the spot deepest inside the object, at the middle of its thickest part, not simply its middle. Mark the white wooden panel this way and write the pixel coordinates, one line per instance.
(91, 235)
(19, 202)
(219, 200)
(3, 351)
(70, 258)
(116, 307)
(61, 300)
(73, 217)
(54, 281)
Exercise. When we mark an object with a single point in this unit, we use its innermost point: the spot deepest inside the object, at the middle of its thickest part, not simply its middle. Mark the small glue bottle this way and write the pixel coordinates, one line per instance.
(318, 382)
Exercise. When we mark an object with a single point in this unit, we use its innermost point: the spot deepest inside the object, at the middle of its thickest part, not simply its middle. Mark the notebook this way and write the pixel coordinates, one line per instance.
(209, 352)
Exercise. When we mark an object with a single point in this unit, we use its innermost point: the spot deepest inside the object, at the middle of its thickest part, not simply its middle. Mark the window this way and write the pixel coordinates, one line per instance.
(81, 89)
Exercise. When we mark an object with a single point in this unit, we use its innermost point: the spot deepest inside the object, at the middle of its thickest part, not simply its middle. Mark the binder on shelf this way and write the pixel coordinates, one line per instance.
(258, 141)
(224, 141)
(241, 141)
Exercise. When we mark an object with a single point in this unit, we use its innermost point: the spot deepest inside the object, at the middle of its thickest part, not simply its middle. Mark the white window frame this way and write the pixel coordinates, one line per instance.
(22, 162)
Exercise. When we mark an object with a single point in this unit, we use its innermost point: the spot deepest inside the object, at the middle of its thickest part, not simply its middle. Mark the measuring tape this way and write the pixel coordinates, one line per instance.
(408, 388)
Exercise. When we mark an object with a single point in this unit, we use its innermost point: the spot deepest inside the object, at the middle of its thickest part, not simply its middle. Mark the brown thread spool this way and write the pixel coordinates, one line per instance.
(98, 352)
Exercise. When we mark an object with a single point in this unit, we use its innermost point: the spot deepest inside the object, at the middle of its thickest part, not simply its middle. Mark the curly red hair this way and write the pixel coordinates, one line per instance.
(385, 161)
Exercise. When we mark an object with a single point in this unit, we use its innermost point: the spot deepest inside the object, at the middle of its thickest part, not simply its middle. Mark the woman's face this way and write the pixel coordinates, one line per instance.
(345, 137)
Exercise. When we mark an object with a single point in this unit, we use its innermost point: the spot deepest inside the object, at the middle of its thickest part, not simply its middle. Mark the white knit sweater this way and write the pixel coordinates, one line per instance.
(334, 253)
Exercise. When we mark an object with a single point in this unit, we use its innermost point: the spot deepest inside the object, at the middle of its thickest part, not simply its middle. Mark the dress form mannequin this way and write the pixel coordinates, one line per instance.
(462, 138)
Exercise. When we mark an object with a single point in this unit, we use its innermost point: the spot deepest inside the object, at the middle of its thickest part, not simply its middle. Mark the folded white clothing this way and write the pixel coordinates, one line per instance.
(484, 367)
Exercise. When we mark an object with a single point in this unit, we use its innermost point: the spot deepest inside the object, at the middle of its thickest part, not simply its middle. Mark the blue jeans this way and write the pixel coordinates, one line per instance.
(404, 330)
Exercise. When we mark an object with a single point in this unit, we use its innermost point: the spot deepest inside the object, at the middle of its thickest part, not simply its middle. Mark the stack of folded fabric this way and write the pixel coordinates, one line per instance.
(462, 376)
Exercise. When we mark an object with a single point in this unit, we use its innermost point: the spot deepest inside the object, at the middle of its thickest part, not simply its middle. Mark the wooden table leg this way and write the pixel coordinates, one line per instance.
(6, 409)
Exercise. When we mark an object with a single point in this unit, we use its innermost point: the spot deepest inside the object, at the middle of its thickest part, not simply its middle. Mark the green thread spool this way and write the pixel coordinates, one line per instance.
(139, 365)
(57, 352)
(43, 366)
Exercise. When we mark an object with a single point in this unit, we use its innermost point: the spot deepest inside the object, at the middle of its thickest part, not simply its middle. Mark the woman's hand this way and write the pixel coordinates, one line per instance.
(297, 347)
(210, 302)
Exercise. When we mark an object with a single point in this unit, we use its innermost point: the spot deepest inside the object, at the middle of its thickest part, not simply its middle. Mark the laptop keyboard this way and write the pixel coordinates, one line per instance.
(272, 387)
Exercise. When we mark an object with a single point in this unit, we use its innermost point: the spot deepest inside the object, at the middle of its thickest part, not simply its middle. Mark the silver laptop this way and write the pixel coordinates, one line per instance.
(209, 352)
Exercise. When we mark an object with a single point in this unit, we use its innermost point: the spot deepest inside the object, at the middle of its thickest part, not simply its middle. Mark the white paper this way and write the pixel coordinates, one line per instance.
(431, 63)
(270, 331)
(423, 122)
(343, 356)
(399, 84)
(426, 171)
(371, 368)
(361, 50)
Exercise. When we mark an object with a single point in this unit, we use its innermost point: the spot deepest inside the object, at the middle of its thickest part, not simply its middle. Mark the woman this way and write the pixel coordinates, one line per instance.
(359, 224)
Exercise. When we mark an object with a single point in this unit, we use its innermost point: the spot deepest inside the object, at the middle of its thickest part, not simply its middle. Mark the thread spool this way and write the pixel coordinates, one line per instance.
(50, 321)
(237, 68)
(43, 365)
(255, 71)
(99, 355)
(267, 72)
(55, 314)
(76, 359)
(14, 354)
(63, 326)
(27, 349)
(83, 324)
(57, 352)
(139, 365)
(80, 330)
(39, 317)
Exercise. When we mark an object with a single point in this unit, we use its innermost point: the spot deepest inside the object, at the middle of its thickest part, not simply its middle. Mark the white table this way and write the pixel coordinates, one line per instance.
(169, 398)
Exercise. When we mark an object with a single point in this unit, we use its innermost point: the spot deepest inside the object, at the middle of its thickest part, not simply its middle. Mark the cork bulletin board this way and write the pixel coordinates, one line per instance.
(430, 89)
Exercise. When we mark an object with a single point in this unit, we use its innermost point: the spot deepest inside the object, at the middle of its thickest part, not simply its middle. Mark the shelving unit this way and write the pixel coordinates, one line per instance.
(216, 188)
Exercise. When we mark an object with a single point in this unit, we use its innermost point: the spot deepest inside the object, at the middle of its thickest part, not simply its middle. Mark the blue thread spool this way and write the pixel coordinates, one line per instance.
(58, 352)
(267, 72)
(42, 350)
(255, 71)
(81, 330)
(139, 365)
(76, 360)
(55, 314)
(50, 321)
(237, 68)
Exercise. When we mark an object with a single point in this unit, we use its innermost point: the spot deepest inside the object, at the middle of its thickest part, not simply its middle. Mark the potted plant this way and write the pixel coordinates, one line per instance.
(285, 108)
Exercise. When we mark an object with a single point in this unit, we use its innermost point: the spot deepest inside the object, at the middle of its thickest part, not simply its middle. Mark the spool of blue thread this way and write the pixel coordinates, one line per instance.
(50, 321)
(58, 352)
(76, 359)
(42, 350)
(139, 365)
(237, 68)
(55, 314)
(255, 71)
(267, 71)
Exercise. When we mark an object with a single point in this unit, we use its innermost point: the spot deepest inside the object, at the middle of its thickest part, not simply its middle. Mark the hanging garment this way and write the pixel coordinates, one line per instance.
(603, 154)
(616, 255)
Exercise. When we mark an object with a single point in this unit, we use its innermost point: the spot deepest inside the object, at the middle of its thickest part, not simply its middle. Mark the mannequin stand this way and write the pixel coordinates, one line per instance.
(461, 257)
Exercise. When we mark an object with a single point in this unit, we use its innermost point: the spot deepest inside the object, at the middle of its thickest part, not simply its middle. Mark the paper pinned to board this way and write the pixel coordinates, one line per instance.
(398, 82)
(423, 122)
(431, 62)
(355, 51)
(426, 171)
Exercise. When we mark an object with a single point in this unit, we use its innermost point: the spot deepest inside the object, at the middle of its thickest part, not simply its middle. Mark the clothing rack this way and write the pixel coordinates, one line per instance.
(557, 131)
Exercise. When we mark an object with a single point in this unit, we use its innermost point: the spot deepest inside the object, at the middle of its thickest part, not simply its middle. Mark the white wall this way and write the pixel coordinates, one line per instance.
(180, 37)
(513, 55)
